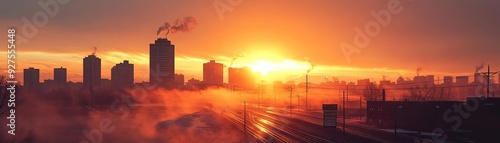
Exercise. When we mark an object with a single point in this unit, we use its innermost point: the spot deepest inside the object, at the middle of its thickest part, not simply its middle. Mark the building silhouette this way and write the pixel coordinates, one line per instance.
(213, 73)
(49, 85)
(60, 75)
(122, 75)
(161, 62)
(462, 80)
(241, 78)
(91, 72)
(363, 82)
(448, 80)
(179, 79)
(105, 83)
(31, 78)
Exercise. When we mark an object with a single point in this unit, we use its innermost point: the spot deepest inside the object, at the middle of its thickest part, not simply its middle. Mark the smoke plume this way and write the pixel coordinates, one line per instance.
(419, 69)
(312, 65)
(479, 67)
(184, 24)
(237, 57)
(95, 51)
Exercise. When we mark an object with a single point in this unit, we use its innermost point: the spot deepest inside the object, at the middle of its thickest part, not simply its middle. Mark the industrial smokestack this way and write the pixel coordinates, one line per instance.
(184, 24)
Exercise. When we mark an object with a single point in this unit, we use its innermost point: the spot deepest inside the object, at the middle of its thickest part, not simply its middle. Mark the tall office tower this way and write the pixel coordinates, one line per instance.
(91, 72)
(31, 78)
(213, 73)
(161, 62)
(122, 75)
(241, 78)
(60, 75)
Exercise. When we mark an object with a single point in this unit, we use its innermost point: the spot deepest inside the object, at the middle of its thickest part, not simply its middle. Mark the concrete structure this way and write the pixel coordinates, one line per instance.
(241, 78)
(122, 75)
(161, 62)
(60, 76)
(448, 80)
(462, 80)
(91, 72)
(31, 78)
(213, 73)
(179, 79)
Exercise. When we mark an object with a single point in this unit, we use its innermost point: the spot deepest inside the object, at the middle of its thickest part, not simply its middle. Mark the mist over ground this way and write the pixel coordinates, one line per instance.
(121, 116)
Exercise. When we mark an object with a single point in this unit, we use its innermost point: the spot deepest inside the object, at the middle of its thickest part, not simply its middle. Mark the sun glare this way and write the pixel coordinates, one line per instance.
(263, 67)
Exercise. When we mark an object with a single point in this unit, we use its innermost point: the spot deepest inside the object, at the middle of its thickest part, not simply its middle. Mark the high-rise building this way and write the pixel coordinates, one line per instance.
(241, 78)
(105, 83)
(179, 79)
(161, 62)
(31, 78)
(363, 82)
(49, 85)
(448, 80)
(91, 72)
(60, 75)
(122, 75)
(385, 84)
(213, 73)
(462, 80)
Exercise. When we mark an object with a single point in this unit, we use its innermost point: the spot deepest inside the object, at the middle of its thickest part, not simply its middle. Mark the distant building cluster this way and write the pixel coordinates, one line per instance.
(162, 73)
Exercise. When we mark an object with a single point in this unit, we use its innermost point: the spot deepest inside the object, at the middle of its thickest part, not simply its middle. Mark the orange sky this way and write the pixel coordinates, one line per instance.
(443, 37)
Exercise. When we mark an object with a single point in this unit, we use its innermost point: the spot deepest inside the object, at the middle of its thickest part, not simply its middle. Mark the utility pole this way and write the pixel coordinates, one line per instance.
(343, 112)
(291, 89)
(383, 94)
(395, 125)
(245, 117)
(488, 88)
(347, 97)
(307, 89)
(488, 76)
(298, 102)
(262, 92)
(360, 106)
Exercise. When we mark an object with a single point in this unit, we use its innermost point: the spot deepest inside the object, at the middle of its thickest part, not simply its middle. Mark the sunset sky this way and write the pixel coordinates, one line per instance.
(446, 37)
